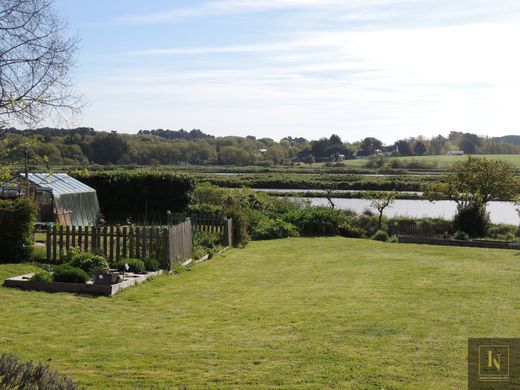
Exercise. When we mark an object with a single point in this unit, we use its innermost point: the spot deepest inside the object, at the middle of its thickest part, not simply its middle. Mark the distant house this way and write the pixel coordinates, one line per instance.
(60, 198)
(263, 150)
(389, 151)
(455, 153)
(337, 157)
(362, 155)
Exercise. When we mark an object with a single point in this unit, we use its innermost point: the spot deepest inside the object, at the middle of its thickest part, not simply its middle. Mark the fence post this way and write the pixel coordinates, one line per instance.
(228, 232)
(49, 242)
(165, 261)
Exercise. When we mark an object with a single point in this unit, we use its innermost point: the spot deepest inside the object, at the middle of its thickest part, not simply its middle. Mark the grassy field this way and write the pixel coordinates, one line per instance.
(298, 314)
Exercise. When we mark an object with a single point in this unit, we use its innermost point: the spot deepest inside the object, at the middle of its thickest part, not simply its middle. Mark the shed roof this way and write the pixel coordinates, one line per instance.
(59, 183)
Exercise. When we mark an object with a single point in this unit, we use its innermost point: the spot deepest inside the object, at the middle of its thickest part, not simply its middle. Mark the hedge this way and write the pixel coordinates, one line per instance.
(139, 194)
(17, 219)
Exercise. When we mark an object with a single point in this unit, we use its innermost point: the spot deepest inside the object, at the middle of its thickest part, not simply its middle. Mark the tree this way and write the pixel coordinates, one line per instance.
(371, 144)
(309, 159)
(419, 148)
(380, 201)
(36, 57)
(473, 183)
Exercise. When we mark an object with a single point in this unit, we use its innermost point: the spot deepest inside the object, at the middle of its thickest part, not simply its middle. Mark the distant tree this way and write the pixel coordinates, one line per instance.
(319, 148)
(107, 148)
(231, 155)
(276, 154)
(309, 159)
(335, 139)
(403, 146)
(419, 148)
(380, 201)
(371, 144)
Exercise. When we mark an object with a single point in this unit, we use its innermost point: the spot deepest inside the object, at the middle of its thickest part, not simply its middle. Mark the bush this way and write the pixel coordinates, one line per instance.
(380, 235)
(39, 254)
(347, 230)
(472, 219)
(206, 239)
(15, 374)
(368, 222)
(317, 220)
(267, 229)
(240, 225)
(68, 274)
(134, 265)
(151, 264)
(42, 276)
(460, 235)
(87, 261)
(17, 218)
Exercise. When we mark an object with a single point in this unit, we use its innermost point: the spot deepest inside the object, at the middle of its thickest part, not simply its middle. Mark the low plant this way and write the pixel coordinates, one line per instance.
(42, 276)
(347, 230)
(380, 235)
(151, 264)
(268, 229)
(39, 254)
(15, 374)
(134, 265)
(460, 235)
(88, 262)
(317, 220)
(206, 239)
(66, 273)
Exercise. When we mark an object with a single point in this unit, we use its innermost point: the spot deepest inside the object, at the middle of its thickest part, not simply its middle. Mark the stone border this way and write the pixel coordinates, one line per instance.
(452, 242)
(23, 282)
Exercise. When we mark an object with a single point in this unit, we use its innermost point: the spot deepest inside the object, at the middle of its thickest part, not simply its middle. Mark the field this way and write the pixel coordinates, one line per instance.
(295, 314)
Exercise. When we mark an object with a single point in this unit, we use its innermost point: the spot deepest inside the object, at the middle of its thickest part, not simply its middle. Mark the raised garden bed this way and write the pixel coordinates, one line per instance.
(452, 242)
(23, 282)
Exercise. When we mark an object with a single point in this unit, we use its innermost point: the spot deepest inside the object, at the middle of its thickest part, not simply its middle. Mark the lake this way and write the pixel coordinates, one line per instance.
(500, 212)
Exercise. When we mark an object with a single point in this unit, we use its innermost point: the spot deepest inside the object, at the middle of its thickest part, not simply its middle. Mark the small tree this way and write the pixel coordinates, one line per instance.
(473, 183)
(380, 201)
(309, 160)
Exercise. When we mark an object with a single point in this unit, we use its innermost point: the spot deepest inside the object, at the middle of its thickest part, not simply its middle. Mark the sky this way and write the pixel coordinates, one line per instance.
(303, 68)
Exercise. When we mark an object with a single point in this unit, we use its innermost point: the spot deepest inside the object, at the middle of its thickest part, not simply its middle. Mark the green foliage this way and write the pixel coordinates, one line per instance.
(134, 265)
(460, 235)
(139, 194)
(15, 374)
(87, 261)
(268, 229)
(68, 274)
(39, 254)
(380, 235)
(240, 224)
(347, 230)
(42, 276)
(368, 222)
(151, 264)
(317, 220)
(17, 218)
(206, 239)
(472, 219)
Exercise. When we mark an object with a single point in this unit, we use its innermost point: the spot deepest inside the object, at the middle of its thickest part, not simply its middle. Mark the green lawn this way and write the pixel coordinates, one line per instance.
(296, 313)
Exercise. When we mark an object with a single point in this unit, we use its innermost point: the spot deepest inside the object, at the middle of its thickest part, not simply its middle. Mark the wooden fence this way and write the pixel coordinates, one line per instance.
(166, 244)
(209, 223)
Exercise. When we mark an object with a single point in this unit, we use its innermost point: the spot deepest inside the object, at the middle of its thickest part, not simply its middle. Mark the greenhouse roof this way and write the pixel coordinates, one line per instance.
(59, 183)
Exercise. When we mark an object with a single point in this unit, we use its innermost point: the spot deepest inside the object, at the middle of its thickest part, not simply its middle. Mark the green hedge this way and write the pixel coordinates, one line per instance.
(17, 219)
(139, 194)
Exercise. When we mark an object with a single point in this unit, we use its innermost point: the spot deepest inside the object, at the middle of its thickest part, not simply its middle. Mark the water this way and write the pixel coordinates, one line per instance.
(500, 212)
(289, 190)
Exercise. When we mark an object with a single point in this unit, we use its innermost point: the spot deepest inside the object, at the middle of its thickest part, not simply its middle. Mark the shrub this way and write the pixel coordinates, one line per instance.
(206, 239)
(134, 265)
(68, 274)
(380, 235)
(317, 220)
(460, 235)
(15, 374)
(39, 254)
(42, 276)
(368, 222)
(151, 264)
(267, 229)
(472, 219)
(347, 230)
(17, 218)
(240, 224)
(88, 262)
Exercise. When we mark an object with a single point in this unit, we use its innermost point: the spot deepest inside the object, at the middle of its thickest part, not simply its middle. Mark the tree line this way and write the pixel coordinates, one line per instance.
(82, 146)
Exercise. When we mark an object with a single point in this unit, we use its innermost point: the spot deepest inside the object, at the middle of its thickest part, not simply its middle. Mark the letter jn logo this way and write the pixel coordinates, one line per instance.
(494, 361)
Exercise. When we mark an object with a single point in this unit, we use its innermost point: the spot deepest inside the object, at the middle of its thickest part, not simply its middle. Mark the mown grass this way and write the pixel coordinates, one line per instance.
(300, 313)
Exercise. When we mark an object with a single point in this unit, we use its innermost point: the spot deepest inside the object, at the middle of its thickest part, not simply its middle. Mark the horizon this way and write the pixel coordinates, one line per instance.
(301, 68)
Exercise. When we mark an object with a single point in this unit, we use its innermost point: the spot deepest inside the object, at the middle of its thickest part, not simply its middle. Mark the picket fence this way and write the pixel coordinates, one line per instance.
(166, 244)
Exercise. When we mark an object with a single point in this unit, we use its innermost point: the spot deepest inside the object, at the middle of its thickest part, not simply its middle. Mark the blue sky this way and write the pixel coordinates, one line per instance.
(274, 68)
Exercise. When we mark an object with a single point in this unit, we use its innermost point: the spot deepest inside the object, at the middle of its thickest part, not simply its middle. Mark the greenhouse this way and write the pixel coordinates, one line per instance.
(60, 198)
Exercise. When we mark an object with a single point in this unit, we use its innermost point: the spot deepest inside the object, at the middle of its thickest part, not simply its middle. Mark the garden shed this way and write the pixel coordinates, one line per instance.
(60, 197)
